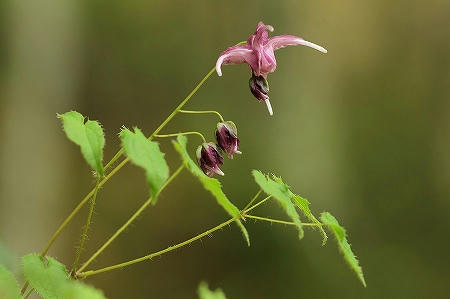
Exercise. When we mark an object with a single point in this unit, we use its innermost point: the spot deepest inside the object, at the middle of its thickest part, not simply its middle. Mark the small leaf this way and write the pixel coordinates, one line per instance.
(210, 184)
(146, 154)
(50, 280)
(281, 193)
(89, 136)
(8, 285)
(343, 244)
(205, 293)
(303, 205)
(48, 277)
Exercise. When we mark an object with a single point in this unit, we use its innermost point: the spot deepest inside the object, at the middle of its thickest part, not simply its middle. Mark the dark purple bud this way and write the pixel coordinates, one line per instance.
(226, 135)
(209, 159)
(259, 86)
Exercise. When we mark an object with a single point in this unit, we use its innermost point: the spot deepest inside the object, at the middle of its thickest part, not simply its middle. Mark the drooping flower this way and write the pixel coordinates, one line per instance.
(258, 53)
(226, 135)
(259, 87)
(209, 159)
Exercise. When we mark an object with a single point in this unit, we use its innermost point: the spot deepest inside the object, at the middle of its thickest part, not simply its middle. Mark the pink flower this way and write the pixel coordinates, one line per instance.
(258, 53)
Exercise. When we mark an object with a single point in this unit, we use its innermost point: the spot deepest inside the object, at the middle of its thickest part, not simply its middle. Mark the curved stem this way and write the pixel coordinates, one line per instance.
(125, 161)
(85, 274)
(183, 133)
(203, 112)
(129, 221)
(152, 255)
(86, 227)
(79, 206)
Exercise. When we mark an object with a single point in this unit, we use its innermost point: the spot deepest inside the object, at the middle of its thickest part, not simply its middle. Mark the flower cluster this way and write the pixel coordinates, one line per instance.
(258, 53)
(209, 155)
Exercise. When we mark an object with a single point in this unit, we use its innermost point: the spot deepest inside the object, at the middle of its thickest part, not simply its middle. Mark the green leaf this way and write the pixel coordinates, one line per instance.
(8, 285)
(146, 154)
(47, 277)
(88, 135)
(77, 290)
(343, 244)
(280, 192)
(210, 184)
(205, 293)
(50, 280)
(303, 205)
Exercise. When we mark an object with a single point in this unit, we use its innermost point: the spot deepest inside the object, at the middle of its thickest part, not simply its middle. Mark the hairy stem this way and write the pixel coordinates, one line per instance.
(280, 221)
(243, 213)
(183, 133)
(253, 199)
(128, 222)
(256, 205)
(202, 112)
(152, 255)
(125, 161)
(86, 227)
(79, 206)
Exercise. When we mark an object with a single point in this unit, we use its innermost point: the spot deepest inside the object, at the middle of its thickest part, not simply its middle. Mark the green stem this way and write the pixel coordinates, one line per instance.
(129, 221)
(253, 199)
(202, 112)
(280, 221)
(28, 294)
(152, 255)
(259, 203)
(125, 161)
(86, 227)
(79, 206)
(85, 274)
(183, 133)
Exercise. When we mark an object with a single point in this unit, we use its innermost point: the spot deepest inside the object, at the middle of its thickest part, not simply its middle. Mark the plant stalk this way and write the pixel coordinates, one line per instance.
(129, 221)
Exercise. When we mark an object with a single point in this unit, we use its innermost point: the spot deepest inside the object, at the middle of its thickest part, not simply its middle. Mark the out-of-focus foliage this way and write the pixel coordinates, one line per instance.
(205, 293)
(361, 131)
(49, 278)
(9, 288)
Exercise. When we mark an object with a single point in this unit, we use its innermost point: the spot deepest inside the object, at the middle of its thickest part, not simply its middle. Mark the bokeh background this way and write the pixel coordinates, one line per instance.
(362, 132)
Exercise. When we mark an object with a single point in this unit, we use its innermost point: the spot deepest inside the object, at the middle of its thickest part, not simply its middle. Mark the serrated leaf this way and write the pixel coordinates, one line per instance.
(280, 192)
(50, 280)
(303, 205)
(210, 184)
(146, 154)
(205, 293)
(8, 285)
(88, 135)
(343, 244)
(47, 277)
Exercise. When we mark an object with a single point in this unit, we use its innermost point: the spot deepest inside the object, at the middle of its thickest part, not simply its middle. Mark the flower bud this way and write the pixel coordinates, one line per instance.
(226, 135)
(259, 87)
(209, 159)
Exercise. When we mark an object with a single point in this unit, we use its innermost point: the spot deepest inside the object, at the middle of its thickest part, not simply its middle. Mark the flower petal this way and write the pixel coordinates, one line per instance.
(281, 41)
(269, 107)
(235, 55)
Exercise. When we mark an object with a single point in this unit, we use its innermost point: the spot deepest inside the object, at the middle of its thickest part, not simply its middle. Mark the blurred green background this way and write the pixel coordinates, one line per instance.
(363, 132)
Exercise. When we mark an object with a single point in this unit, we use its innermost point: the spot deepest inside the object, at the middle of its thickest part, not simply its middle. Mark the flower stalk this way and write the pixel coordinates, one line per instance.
(129, 221)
